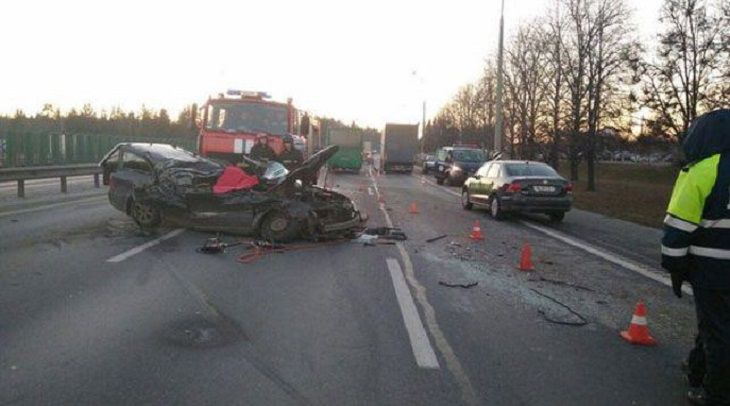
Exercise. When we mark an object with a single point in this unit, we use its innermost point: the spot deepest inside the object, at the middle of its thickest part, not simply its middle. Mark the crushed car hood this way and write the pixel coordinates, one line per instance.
(310, 167)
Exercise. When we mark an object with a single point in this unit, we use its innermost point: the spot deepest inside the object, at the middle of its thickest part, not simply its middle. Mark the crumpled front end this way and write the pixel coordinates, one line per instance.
(333, 215)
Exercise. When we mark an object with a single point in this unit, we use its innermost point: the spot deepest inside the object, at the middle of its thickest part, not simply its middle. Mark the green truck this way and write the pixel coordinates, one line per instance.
(349, 156)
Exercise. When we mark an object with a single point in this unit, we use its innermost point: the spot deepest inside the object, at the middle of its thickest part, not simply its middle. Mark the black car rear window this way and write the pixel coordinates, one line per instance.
(530, 169)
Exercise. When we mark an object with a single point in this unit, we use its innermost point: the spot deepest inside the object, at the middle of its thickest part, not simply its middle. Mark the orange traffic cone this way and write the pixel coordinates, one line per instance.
(638, 332)
(476, 232)
(414, 208)
(526, 258)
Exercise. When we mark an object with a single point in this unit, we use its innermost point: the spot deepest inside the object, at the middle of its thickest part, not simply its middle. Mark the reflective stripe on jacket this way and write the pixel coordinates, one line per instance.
(697, 224)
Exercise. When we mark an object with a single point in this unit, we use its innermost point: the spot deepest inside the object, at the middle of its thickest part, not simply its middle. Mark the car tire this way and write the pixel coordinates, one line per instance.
(277, 226)
(145, 215)
(557, 217)
(440, 181)
(495, 208)
(466, 204)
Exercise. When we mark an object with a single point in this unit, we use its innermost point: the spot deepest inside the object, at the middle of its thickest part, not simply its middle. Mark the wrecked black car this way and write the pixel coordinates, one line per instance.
(156, 183)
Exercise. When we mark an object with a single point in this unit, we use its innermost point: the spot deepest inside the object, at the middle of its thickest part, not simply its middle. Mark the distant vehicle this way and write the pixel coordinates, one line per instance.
(231, 122)
(349, 156)
(427, 162)
(399, 146)
(518, 186)
(454, 165)
(153, 183)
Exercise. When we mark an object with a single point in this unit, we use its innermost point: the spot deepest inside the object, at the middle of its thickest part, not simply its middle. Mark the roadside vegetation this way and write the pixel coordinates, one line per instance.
(628, 191)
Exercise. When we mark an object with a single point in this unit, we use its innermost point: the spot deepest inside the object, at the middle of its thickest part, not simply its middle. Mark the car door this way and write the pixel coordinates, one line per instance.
(477, 190)
(134, 171)
(491, 179)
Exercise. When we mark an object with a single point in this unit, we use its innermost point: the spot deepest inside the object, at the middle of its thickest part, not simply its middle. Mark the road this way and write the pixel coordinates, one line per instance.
(333, 324)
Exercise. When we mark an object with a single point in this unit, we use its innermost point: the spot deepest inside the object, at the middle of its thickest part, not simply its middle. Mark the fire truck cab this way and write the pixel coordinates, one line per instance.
(232, 121)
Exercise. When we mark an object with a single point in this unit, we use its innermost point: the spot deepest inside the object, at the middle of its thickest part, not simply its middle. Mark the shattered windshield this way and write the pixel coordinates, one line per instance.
(252, 117)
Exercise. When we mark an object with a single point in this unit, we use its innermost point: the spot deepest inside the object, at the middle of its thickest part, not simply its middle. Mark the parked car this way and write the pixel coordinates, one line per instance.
(455, 164)
(518, 186)
(153, 183)
(427, 162)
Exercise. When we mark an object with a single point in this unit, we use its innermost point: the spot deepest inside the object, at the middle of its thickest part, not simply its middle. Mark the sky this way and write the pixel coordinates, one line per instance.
(371, 61)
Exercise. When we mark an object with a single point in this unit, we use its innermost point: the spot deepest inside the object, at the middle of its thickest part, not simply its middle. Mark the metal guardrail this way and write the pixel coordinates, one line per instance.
(20, 175)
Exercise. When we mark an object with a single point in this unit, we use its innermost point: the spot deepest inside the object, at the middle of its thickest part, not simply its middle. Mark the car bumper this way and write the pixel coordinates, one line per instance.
(536, 204)
(358, 220)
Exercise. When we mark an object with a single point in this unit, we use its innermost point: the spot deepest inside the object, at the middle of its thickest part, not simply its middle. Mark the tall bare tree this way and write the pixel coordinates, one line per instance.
(684, 78)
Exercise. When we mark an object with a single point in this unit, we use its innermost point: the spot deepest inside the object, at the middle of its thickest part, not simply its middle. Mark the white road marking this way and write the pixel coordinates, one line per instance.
(614, 258)
(452, 362)
(53, 205)
(136, 250)
(610, 257)
(420, 344)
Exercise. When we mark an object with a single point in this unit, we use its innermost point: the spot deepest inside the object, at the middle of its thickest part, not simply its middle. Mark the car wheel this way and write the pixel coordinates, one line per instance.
(495, 208)
(278, 227)
(465, 202)
(557, 216)
(145, 215)
(440, 181)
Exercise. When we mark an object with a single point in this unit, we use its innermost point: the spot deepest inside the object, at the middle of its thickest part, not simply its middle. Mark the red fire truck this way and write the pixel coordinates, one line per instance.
(232, 121)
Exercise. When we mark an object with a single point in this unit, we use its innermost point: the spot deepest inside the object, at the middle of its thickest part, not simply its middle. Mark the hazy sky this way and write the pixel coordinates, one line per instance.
(352, 60)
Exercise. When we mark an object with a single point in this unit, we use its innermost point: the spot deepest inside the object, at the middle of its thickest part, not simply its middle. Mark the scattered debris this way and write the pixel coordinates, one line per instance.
(546, 261)
(387, 233)
(215, 246)
(458, 285)
(562, 283)
(437, 238)
(582, 319)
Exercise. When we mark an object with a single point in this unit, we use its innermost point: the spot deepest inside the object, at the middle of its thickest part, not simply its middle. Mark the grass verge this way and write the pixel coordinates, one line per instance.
(634, 192)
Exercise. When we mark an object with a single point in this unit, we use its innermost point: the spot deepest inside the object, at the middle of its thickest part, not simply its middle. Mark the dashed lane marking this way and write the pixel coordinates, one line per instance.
(136, 250)
(452, 362)
(421, 346)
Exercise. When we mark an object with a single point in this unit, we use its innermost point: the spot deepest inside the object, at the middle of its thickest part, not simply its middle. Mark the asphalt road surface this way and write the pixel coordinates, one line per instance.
(94, 311)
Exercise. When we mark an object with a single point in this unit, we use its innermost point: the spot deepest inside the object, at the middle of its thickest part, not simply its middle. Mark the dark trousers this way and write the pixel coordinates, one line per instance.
(709, 361)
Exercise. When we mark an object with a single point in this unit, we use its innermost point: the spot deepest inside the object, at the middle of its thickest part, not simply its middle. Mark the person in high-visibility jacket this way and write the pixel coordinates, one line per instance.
(696, 248)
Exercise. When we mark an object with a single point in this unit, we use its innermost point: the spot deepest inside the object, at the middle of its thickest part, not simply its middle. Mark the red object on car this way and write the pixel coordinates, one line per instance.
(234, 178)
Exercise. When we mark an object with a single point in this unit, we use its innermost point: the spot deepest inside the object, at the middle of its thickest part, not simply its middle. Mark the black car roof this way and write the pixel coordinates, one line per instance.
(156, 152)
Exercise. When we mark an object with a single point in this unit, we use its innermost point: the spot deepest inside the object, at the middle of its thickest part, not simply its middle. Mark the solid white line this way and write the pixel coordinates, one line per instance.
(422, 350)
(136, 250)
(53, 205)
(618, 260)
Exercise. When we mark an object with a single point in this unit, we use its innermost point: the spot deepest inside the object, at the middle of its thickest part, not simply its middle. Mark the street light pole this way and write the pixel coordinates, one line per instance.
(499, 108)
(423, 124)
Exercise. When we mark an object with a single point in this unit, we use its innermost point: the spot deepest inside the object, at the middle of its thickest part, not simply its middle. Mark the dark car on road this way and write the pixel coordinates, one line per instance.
(153, 183)
(518, 186)
(455, 164)
(427, 162)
